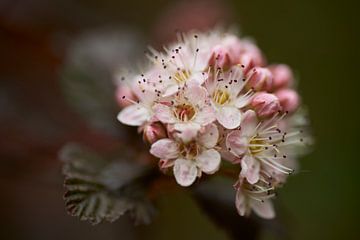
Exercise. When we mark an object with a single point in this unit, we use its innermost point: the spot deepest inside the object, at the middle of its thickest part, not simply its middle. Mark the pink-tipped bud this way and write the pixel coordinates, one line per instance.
(260, 79)
(246, 62)
(153, 132)
(220, 57)
(289, 99)
(123, 95)
(283, 76)
(256, 56)
(265, 104)
(233, 46)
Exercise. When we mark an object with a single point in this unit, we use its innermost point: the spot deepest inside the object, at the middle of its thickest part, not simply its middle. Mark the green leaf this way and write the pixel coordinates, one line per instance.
(98, 189)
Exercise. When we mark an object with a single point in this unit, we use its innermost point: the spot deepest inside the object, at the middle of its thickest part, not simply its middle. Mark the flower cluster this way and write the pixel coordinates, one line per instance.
(211, 96)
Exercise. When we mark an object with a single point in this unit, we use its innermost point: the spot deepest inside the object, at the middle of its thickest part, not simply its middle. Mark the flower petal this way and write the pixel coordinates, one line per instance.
(134, 115)
(196, 95)
(197, 79)
(185, 172)
(250, 169)
(209, 161)
(209, 136)
(165, 149)
(263, 209)
(229, 117)
(187, 131)
(241, 203)
(236, 143)
(205, 116)
(249, 123)
(242, 101)
(164, 113)
(170, 90)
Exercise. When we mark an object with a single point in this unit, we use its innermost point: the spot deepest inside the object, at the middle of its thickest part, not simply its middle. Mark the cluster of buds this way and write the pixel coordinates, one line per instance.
(211, 97)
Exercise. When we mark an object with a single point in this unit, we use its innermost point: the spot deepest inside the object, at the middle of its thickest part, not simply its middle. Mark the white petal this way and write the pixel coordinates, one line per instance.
(170, 90)
(196, 95)
(187, 131)
(209, 136)
(242, 101)
(205, 116)
(241, 203)
(263, 209)
(165, 149)
(185, 172)
(209, 161)
(229, 117)
(164, 113)
(134, 115)
(249, 123)
(250, 169)
(197, 79)
(236, 143)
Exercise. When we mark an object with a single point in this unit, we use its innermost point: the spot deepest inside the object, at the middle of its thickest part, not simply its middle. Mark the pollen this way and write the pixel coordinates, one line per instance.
(182, 76)
(221, 97)
(257, 146)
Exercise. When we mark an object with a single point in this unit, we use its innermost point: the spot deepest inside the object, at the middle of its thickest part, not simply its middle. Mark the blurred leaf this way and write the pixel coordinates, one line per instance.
(88, 75)
(92, 96)
(98, 189)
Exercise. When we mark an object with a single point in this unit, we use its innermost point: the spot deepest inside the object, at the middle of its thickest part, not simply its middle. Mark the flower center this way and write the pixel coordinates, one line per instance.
(257, 145)
(221, 97)
(184, 112)
(182, 75)
(189, 150)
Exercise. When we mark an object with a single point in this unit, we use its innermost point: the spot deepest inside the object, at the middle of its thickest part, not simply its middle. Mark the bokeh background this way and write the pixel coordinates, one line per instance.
(40, 39)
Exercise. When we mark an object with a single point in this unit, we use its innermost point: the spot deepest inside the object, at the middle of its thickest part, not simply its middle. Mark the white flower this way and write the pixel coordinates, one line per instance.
(148, 91)
(254, 197)
(184, 62)
(190, 159)
(262, 147)
(226, 97)
(188, 111)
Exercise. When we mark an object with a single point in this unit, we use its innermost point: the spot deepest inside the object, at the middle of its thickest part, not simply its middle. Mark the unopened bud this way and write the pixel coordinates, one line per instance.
(259, 79)
(153, 132)
(220, 57)
(265, 104)
(282, 75)
(289, 99)
(233, 46)
(254, 53)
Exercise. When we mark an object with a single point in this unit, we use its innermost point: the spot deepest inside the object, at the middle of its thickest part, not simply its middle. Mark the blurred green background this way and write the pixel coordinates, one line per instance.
(319, 39)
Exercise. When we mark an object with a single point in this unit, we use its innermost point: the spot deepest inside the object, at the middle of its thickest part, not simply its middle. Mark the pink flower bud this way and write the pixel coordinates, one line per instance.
(253, 52)
(220, 57)
(153, 132)
(265, 104)
(233, 46)
(246, 62)
(123, 95)
(283, 76)
(289, 99)
(260, 79)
